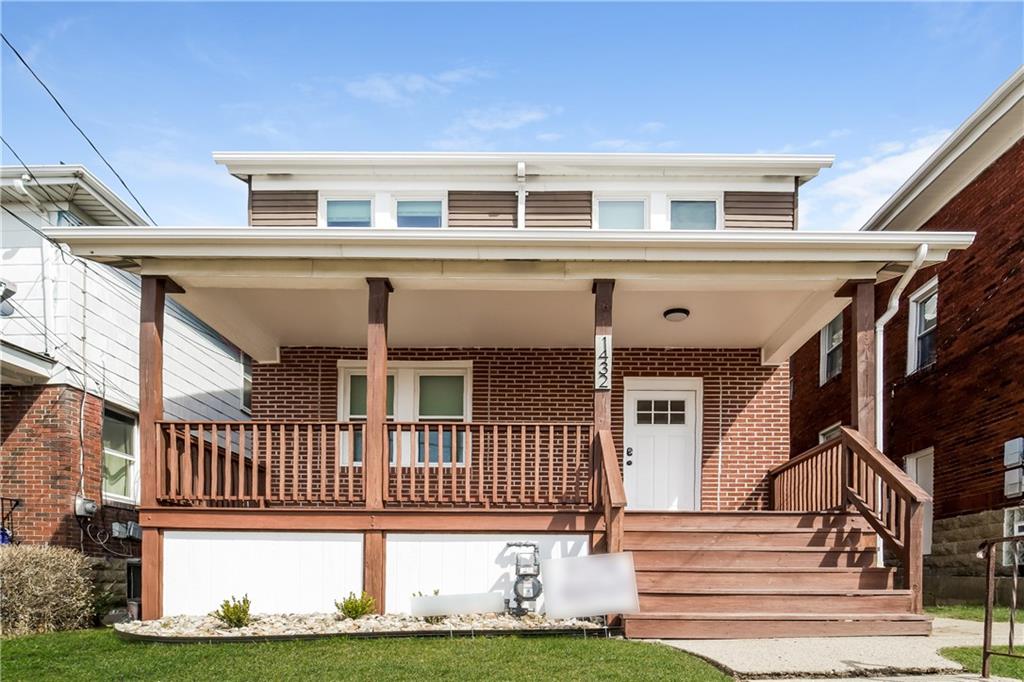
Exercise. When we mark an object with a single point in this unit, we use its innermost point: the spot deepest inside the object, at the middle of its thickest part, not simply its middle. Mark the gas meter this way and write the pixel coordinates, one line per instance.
(527, 586)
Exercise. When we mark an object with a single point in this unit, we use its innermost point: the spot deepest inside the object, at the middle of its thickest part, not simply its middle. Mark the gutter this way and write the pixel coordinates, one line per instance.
(890, 311)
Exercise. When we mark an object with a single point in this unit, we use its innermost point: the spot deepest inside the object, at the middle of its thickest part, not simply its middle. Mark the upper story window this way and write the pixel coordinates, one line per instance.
(923, 327)
(621, 214)
(349, 212)
(831, 349)
(693, 215)
(419, 213)
(120, 468)
(246, 383)
(829, 433)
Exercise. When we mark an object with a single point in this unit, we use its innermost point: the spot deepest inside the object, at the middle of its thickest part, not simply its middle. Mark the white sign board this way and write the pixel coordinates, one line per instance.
(603, 362)
(596, 585)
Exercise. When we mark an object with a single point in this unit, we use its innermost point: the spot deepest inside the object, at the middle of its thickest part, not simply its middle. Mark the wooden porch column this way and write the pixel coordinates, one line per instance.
(374, 459)
(862, 386)
(151, 410)
(603, 326)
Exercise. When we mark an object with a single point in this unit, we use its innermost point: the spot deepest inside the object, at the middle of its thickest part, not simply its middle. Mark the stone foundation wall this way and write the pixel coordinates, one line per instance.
(953, 571)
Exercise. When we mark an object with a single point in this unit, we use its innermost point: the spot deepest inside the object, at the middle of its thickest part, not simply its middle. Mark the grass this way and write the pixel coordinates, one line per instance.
(100, 655)
(970, 658)
(970, 612)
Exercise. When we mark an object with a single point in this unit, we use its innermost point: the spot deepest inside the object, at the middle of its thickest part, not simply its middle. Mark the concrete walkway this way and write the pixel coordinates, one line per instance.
(831, 657)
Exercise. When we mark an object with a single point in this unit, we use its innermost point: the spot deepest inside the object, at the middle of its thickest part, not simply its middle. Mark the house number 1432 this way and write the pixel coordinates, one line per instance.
(603, 362)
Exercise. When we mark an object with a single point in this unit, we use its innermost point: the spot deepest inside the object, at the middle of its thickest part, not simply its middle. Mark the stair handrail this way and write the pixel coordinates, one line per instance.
(613, 491)
(883, 466)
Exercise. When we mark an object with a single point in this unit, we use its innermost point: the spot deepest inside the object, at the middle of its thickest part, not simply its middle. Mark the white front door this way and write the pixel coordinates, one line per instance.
(661, 463)
(920, 466)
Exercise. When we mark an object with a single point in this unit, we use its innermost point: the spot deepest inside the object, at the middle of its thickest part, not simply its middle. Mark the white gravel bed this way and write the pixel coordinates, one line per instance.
(304, 624)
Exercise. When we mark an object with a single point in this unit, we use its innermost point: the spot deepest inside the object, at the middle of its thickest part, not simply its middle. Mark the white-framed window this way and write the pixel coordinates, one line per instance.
(831, 347)
(829, 432)
(246, 395)
(923, 326)
(346, 211)
(693, 214)
(423, 212)
(620, 213)
(920, 466)
(417, 392)
(120, 460)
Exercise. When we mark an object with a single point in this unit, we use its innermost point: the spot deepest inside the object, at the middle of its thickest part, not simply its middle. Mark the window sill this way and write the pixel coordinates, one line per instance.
(832, 380)
(125, 505)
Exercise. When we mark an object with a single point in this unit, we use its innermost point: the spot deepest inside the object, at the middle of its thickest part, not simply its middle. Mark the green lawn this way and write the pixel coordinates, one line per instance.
(970, 612)
(100, 655)
(970, 658)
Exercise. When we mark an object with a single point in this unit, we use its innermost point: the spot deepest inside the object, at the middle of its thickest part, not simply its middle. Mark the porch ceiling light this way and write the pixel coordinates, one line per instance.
(676, 314)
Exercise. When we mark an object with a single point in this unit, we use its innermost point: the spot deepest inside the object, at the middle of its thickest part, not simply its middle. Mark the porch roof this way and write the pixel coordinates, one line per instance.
(264, 288)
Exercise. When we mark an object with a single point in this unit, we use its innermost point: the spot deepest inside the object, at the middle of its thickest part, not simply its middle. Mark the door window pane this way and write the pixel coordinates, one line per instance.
(694, 215)
(661, 412)
(419, 214)
(348, 213)
(620, 215)
(357, 396)
(441, 396)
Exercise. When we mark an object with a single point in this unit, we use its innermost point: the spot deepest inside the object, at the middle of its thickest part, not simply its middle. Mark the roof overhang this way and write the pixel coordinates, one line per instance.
(245, 164)
(20, 366)
(264, 288)
(61, 184)
(990, 131)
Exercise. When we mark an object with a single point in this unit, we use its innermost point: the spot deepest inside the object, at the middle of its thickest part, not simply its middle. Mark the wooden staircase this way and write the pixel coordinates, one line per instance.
(728, 575)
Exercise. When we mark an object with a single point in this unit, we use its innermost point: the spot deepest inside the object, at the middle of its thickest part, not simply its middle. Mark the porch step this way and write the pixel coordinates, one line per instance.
(777, 601)
(747, 521)
(742, 537)
(743, 625)
(808, 577)
(751, 557)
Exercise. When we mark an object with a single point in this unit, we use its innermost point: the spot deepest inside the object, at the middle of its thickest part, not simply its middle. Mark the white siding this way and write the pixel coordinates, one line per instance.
(461, 563)
(281, 572)
(92, 330)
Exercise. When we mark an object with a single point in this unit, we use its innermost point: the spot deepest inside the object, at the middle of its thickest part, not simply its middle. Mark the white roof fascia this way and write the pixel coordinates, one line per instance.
(552, 245)
(1005, 101)
(61, 174)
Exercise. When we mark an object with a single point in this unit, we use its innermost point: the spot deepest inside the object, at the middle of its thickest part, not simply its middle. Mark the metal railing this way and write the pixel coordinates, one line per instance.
(988, 552)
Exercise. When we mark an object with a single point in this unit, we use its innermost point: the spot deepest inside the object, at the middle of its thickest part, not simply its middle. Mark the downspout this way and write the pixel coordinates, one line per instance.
(521, 195)
(890, 311)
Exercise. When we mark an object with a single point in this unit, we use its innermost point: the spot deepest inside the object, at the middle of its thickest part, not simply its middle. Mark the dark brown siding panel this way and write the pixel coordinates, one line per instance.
(559, 209)
(482, 209)
(753, 210)
(283, 209)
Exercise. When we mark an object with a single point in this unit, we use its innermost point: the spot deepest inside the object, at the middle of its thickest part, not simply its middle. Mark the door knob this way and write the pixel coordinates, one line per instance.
(629, 452)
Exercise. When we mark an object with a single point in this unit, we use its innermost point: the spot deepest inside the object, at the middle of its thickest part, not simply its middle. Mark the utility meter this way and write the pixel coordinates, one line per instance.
(527, 586)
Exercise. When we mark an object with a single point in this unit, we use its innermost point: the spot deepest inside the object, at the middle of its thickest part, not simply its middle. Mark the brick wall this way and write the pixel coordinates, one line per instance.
(39, 464)
(744, 401)
(972, 399)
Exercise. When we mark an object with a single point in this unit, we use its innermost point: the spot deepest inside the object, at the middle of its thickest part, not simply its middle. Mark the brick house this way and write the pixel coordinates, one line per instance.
(435, 376)
(69, 394)
(954, 355)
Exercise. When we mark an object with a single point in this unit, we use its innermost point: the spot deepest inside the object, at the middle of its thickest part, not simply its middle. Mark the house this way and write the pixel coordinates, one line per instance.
(457, 350)
(954, 350)
(69, 369)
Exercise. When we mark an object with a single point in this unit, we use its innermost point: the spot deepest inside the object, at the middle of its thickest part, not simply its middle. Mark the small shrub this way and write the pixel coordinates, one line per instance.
(103, 602)
(45, 588)
(356, 607)
(433, 620)
(234, 612)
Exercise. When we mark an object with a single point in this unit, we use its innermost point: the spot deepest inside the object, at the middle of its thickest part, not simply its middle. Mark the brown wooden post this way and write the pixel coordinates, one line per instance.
(603, 326)
(862, 387)
(374, 543)
(151, 410)
(374, 457)
(913, 562)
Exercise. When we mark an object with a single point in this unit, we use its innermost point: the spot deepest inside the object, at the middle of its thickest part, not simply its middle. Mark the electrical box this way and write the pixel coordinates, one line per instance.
(85, 507)
(1012, 482)
(126, 531)
(1013, 452)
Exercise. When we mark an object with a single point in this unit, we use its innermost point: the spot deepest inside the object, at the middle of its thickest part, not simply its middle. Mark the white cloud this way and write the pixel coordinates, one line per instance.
(620, 144)
(846, 201)
(652, 127)
(549, 137)
(475, 128)
(402, 88)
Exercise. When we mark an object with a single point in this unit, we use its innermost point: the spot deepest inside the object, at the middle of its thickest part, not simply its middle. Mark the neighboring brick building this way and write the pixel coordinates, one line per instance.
(951, 417)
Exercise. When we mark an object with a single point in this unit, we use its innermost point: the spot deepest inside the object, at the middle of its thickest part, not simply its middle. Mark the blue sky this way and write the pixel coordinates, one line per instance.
(160, 86)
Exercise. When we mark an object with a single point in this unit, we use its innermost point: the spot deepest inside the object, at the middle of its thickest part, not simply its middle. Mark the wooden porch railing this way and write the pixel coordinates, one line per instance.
(489, 465)
(848, 472)
(613, 492)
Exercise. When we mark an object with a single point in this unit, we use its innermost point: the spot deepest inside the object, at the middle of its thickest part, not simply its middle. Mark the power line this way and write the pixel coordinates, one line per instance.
(28, 170)
(77, 127)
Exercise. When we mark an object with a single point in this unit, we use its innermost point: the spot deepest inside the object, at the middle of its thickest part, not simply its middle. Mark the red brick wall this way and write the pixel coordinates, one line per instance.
(744, 401)
(972, 399)
(39, 464)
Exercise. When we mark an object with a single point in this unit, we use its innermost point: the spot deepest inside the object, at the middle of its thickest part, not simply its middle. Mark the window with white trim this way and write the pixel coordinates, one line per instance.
(246, 397)
(120, 464)
(686, 214)
(831, 346)
(923, 326)
(419, 212)
(348, 212)
(440, 397)
(622, 214)
(829, 433)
